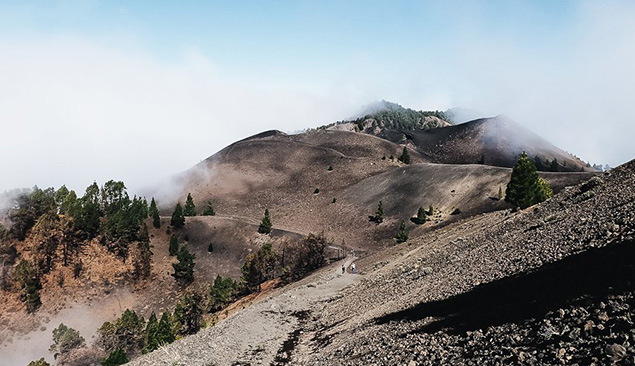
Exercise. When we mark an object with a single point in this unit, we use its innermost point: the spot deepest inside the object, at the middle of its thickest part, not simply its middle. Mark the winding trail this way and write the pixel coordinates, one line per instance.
(264, 333)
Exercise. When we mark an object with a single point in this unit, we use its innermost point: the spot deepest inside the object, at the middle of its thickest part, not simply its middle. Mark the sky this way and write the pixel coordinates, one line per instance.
(138, 91)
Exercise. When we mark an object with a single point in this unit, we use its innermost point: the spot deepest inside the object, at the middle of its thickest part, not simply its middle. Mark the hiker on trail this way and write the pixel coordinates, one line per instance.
(353, 268)
(343, 269)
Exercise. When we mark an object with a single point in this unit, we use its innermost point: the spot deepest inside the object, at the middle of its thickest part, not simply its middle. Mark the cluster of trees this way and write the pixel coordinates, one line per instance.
(422, 215)
(177, 220)
(292, 262)
(395, 116)
(59, 223)
(554, 165)
(131, 335)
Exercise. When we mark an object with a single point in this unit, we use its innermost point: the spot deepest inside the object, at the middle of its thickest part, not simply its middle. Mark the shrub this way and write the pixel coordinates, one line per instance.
(65, 339)
(209, 210)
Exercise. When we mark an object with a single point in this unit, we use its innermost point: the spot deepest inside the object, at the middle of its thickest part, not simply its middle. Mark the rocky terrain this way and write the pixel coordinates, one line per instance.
(330, 181)
(549, 285)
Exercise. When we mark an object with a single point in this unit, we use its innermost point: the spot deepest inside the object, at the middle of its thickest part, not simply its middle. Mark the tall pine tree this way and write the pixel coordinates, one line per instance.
(150, 340)
(405, 156)
(402, 233)
(525, 187)
(154, 213)
(379, 213)
(174, 245)
(178, 219)
(184, 269)
(189, 209)
(265, 225)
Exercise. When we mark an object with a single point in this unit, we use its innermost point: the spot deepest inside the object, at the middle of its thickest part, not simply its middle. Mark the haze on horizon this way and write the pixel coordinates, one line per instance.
(96, 90)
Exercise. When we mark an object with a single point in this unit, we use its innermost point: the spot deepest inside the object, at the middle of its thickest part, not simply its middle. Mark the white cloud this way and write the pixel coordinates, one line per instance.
(72, 112)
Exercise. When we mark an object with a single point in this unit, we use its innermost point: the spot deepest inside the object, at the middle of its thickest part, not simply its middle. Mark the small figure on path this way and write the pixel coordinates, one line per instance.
(353, 268)
(343, 269)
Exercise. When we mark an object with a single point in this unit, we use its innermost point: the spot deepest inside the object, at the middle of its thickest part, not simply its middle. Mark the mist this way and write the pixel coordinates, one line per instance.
(76, 108)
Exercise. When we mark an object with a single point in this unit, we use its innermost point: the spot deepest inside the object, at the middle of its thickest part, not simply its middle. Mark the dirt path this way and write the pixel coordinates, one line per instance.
(264, 333)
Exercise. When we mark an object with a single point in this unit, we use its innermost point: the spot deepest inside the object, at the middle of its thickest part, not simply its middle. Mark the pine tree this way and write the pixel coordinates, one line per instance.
(184, 269)
(421, 216)
(174, 245)
(499, 196)
(210, 248)
(178, 219)
(402, 234)
(189, 209)
(151, 341)
(65, 339)
(525, 187)
(405, 156)
(115, 358)
(142, 255)
(209, 209)
(165, 334)
(189, 313)
(265, 225)
(379, 213)
(154, 213)
(430, 211)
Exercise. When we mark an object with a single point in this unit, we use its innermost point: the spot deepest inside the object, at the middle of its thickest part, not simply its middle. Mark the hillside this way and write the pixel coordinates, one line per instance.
(281, 172)
(494, 141)
(326, 181)
(549, 285)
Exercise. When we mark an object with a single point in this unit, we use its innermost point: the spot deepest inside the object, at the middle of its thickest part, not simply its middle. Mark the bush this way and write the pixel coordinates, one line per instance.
(65, 339)
(209, 210)
(316, 191)
(40, 362)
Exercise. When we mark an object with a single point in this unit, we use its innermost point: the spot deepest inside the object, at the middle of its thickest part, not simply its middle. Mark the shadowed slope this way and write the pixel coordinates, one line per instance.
(494, 141)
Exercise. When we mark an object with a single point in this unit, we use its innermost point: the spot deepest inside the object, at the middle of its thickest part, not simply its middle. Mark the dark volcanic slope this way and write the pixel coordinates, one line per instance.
(282, 172)
(550, 285)
(494, 141)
